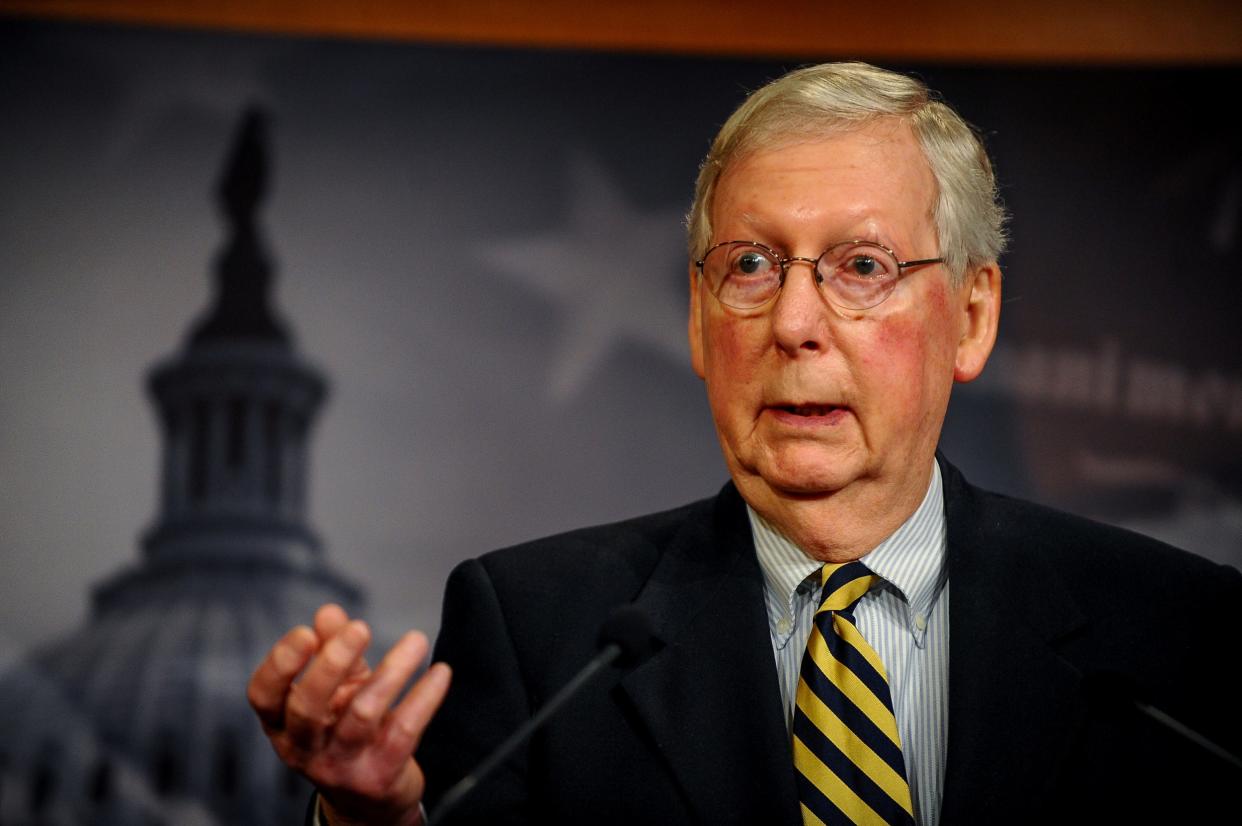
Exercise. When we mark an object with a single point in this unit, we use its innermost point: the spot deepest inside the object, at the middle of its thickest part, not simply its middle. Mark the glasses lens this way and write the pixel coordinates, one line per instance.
(742, 276)
(858, 275)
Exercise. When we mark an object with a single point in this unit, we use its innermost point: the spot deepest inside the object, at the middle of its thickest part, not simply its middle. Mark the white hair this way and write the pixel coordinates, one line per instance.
(819, 101)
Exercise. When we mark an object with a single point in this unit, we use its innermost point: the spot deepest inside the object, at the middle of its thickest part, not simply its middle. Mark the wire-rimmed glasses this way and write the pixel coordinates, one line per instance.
(854, 275)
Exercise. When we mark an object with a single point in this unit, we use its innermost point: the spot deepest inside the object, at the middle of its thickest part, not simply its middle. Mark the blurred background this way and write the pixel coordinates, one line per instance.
(312, 300)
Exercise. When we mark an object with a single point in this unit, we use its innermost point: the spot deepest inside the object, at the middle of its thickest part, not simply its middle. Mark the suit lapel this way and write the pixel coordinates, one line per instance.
(1014, 702)
(710, 698)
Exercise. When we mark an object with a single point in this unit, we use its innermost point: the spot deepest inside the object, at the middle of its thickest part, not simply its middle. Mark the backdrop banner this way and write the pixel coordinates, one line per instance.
(483, 251)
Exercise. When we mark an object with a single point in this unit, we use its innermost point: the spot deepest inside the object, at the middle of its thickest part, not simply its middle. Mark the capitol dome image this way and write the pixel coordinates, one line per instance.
(140, 716)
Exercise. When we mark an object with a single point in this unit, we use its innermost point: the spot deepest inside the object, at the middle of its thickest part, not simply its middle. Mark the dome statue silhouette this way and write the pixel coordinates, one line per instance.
(140, 716)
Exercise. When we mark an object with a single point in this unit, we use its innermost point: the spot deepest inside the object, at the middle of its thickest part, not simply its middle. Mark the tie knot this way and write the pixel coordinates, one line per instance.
(844, 584)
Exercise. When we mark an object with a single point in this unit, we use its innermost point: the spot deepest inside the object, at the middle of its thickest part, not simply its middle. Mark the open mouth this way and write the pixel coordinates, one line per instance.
(809, 410)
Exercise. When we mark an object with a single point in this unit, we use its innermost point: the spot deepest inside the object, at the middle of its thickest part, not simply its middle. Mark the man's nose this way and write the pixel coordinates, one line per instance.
(800, 316)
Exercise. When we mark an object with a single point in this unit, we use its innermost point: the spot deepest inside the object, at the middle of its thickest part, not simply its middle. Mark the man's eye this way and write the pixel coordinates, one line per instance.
(749, 263)
(866, 266)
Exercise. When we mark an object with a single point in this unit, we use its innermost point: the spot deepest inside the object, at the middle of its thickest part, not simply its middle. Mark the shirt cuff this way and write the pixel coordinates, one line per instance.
(317, 819)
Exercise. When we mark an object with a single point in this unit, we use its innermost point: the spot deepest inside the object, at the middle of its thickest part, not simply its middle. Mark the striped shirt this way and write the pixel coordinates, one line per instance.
(905, 618)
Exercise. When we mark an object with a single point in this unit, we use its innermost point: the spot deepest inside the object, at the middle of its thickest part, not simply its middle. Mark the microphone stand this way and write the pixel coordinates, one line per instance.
(1177, 726)
(463, 787)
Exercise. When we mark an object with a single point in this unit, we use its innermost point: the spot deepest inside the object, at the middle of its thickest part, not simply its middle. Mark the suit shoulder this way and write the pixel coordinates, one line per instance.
(548, 597)
(626, 550)
(1095, 550)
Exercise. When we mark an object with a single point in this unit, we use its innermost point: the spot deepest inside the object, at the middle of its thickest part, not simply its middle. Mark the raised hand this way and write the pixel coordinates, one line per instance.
(337, 724)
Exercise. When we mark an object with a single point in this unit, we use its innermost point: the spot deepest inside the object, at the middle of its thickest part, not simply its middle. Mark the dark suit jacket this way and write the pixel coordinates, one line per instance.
(1055, 622)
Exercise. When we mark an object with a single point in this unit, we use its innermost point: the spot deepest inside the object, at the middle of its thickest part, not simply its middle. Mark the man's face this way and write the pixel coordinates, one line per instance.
(809, 399)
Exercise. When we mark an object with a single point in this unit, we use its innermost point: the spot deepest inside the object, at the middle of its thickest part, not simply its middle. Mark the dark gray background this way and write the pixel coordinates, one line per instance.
(483, 250)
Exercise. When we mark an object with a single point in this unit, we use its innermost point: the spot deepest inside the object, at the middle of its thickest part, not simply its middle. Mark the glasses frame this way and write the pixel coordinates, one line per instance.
(784, 261)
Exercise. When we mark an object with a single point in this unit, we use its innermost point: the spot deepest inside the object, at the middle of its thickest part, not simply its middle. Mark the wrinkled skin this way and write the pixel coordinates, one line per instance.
(829, 418)
(337, 724)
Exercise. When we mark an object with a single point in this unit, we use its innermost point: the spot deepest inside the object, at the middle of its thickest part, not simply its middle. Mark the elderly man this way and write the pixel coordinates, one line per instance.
(844, 241)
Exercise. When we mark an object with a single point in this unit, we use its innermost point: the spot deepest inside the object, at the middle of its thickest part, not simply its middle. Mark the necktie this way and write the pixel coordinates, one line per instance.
(847, 751)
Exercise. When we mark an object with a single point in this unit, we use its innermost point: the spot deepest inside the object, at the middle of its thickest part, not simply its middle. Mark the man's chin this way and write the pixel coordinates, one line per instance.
(804, 489)
(821, 477)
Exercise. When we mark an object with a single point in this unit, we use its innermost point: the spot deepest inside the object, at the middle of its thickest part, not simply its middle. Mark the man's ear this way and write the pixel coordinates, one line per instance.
(980, 320)
(694, 325)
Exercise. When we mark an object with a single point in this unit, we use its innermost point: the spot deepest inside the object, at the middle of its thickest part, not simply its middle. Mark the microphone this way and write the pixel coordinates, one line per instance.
(1111, 688)
(625, 640)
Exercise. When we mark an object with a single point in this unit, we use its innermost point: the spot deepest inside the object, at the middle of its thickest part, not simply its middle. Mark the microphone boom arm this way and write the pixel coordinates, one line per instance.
(453, 796)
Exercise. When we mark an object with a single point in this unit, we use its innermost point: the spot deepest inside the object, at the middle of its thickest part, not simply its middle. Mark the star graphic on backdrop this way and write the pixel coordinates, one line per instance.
(614, 271)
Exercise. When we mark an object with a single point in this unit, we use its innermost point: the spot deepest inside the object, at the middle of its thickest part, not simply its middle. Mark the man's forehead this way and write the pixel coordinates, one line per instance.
(886, 152)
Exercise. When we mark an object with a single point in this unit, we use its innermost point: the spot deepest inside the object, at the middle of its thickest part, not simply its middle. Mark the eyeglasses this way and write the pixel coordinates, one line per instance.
(854, 275)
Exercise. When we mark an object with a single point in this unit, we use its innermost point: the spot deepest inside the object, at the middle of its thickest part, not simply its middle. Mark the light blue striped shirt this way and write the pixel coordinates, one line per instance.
(905, 619)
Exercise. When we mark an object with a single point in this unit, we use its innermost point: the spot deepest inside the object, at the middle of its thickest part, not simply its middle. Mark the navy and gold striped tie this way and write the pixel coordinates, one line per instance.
(846, 748)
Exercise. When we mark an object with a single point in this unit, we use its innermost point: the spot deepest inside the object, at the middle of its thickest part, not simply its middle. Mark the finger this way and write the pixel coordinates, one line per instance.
(409, 719)
(269, 685)
(329, 620)
(344, 695)
(366, 710)
(307, 710)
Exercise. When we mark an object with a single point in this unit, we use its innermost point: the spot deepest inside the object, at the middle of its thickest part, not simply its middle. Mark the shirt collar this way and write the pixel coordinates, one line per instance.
(911, 558)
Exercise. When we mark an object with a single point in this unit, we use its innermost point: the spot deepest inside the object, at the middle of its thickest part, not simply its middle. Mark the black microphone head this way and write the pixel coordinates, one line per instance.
(629, 629)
